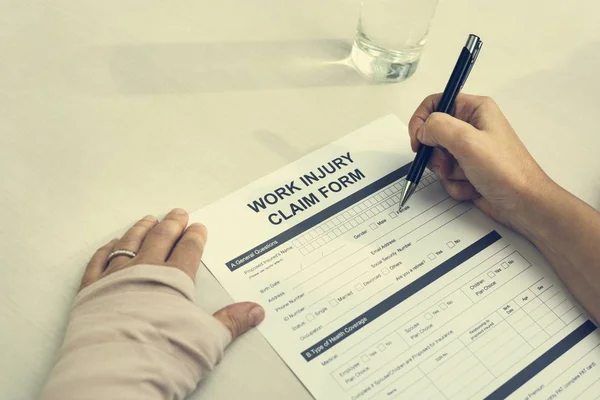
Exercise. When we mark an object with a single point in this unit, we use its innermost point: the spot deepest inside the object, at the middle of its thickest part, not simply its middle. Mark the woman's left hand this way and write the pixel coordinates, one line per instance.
(172, 244)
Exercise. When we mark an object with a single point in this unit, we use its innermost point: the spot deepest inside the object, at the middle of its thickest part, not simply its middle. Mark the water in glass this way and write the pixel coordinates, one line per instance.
(390, 38)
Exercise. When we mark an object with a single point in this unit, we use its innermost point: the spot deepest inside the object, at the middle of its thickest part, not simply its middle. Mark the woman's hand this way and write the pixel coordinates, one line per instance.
(170, 244)
(479, 157)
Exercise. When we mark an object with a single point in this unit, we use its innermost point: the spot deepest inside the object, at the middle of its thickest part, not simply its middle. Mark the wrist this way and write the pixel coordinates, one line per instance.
(537, 207)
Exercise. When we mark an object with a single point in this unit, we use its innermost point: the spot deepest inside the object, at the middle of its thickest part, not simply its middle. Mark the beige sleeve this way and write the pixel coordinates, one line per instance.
(136, 334)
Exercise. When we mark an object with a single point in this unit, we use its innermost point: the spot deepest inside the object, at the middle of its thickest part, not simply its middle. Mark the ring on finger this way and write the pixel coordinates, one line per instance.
(120, 252)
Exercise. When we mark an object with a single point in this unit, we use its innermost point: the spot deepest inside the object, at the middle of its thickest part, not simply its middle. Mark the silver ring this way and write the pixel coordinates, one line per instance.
(121, 252)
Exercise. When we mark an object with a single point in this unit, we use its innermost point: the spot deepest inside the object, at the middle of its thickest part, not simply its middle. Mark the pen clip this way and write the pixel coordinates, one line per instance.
(476, 48)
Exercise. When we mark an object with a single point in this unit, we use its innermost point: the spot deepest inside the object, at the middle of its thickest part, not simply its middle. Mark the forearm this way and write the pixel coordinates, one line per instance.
(136, 334)
(567, 232)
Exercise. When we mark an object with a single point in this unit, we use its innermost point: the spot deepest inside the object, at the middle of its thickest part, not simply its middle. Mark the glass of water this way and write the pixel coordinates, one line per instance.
(390, 38)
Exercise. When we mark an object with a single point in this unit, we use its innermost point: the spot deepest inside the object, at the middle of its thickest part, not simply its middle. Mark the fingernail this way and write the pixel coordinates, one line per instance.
(149, 218)
(178, 211)
(199, 226)
(256, 316)
(420, 133)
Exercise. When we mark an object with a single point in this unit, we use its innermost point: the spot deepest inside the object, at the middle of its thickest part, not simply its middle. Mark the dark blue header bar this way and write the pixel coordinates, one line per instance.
(377, 311)
(317, 219)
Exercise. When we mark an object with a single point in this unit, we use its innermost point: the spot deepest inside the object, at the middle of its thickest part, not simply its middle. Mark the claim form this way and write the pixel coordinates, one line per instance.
(365, 301)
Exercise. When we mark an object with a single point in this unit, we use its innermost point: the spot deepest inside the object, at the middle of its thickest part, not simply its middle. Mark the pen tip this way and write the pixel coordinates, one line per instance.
(409, 188)
(403, 201)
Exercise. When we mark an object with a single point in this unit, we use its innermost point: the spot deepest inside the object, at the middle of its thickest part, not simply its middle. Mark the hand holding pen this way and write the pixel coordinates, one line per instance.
(459, 76)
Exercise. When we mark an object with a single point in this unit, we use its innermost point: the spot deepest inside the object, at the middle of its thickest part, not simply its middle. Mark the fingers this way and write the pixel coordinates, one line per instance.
(95, 267)
(443, 130)
(441, 163)
(457, 173)
(188, 251)
(160, 239)
(240, 317)
(155, 243)
(426, 108)
(444, 165)
(468, 108)
(132, 240)
(460, 190)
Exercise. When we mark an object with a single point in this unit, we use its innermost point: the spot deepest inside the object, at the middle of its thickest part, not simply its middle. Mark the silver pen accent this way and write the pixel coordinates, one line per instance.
(409, 189)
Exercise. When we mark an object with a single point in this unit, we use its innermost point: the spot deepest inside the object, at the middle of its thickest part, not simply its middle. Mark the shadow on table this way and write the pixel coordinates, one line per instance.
(212, 67)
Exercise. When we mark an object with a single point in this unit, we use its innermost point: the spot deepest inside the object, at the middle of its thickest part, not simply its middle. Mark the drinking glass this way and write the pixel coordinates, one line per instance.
(390, 38)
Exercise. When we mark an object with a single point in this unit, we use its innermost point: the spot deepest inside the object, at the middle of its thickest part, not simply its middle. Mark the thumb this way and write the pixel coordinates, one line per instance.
(443, 130)
(240, 317)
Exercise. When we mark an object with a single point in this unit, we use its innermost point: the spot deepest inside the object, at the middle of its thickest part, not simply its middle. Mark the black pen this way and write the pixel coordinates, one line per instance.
(459, 76)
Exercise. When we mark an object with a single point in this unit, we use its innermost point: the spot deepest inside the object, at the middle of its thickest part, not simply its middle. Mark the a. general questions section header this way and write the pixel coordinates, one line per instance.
(316, 219)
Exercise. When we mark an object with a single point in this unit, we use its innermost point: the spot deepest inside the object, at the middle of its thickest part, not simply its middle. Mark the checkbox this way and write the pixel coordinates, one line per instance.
(443, 306)
(428, 316)
(365, 358)
(344, 229)
(333, 302)
(296, 243)
(389, 203)
(324, 227)
(431, 256)
(314, 234)
(380, 208)
(370, 213)
(381, 347)
(304, 251)
(356, 209)
(385, 270)
(450, 245)
(337, 231)
(491, 274)
(354, 223)
(360, 218)
(373, 226)
(396, 199)
(359, 286)
(310, 317)
(393, 214)
(331, 235)
(505, 265)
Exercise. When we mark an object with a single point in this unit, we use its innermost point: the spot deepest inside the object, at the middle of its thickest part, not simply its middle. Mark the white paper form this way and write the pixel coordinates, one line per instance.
(367, 302)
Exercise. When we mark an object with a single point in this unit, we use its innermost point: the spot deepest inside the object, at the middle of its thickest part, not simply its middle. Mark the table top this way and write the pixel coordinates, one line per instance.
(113, 110)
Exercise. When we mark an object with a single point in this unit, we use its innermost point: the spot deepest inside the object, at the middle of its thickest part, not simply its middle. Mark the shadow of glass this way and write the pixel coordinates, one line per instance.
(212, 67)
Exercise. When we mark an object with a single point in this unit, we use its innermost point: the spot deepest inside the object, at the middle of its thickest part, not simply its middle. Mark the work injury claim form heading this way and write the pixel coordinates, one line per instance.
(366, 301)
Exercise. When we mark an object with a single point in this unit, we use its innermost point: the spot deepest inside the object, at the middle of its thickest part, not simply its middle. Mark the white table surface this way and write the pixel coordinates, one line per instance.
(110, 110)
